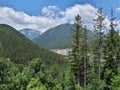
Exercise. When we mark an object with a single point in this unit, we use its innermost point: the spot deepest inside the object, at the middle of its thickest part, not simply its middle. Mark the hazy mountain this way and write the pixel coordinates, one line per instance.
(29, 33)
(58, 37)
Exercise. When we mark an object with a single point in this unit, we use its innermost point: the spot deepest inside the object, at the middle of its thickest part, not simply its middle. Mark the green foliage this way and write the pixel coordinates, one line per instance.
(1, 50)
(34, 70)
(68, 80)
(8, 72)
(36, 65)
(77, 87)
(115, 81)
(34, 84)
(95, 84)
(111, 56)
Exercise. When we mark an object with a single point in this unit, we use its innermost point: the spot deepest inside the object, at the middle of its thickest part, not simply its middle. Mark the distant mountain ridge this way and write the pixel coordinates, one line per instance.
(59, 37)
(30, 33)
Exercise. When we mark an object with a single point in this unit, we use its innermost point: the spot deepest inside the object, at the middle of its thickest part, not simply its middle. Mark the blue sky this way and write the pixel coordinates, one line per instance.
(34, 7)
(44, 14)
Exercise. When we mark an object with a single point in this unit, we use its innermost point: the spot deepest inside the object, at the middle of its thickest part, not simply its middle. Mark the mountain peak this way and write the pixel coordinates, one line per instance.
(30, 33)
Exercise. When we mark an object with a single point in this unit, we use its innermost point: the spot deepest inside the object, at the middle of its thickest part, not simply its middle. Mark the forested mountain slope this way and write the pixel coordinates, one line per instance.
(21, 50)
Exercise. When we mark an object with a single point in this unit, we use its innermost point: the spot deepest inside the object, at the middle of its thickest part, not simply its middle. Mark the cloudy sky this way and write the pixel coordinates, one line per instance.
(44, 14)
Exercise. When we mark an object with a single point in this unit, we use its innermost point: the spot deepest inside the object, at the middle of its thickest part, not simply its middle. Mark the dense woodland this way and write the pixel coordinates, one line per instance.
(89, 66)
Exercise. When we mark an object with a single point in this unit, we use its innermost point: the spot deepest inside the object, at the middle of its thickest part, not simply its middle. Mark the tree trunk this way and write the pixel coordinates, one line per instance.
(85, 59)
(99, 56)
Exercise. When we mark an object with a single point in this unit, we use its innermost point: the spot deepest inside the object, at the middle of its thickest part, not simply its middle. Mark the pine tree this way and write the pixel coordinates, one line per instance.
(99, 27)
(111, 54)
(79, 52)
(75, 53)
(85, 58)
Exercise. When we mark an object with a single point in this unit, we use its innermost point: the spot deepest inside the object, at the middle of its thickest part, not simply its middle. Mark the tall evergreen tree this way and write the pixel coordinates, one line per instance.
(85, 58)
(111, 54)
(99, 27)
(75, 53)
(79, 52)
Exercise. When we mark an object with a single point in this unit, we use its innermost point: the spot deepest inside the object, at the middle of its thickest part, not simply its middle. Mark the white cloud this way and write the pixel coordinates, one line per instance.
(118, 25)
(21, 20)
(52, 11)
(118, 10)
(87, 12)
(52, 16)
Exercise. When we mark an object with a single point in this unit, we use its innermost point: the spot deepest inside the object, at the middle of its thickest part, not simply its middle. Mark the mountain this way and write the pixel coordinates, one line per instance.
(29, 33)
(21, 50)
(59, 37)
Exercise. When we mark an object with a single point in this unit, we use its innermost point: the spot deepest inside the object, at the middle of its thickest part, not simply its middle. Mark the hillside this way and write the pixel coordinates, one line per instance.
(21, 50)
(58, 37)
(29, 33)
